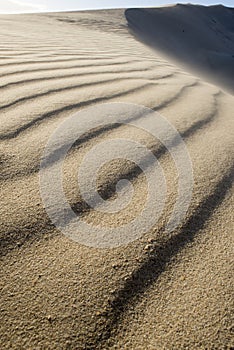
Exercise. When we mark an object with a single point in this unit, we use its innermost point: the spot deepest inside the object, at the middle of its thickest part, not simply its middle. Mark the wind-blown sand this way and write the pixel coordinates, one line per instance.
(163, 291)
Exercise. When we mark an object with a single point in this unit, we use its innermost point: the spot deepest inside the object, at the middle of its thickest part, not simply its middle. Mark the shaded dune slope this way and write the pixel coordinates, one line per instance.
(200, 38)
(164, 291)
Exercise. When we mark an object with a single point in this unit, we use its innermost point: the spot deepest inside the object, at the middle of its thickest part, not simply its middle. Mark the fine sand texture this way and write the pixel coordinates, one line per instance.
(166, 290)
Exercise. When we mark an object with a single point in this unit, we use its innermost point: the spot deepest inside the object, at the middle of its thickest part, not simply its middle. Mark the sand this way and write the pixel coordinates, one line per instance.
(197, 38)
(162, 291)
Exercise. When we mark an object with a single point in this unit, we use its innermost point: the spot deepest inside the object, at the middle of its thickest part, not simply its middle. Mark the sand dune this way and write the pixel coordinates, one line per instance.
(163, 291)
(198, 38)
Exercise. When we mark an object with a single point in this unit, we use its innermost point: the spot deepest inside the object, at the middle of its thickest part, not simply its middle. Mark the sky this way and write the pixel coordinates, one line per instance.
(18, 6)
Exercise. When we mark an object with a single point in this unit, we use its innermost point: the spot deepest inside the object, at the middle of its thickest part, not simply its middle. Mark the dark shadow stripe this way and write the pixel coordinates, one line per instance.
(160, 256)
(37, 61)
(107, 190)
(78, 74)
(55, 112)
(92, 134)
(65, 88)
(100, 131)
(29, 71)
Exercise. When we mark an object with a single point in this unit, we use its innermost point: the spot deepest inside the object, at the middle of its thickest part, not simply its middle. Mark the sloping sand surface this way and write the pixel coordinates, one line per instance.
(199, 38)
(163, 291)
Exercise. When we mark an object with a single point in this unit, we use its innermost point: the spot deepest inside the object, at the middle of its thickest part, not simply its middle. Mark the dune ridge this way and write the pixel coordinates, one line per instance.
(163, 291)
